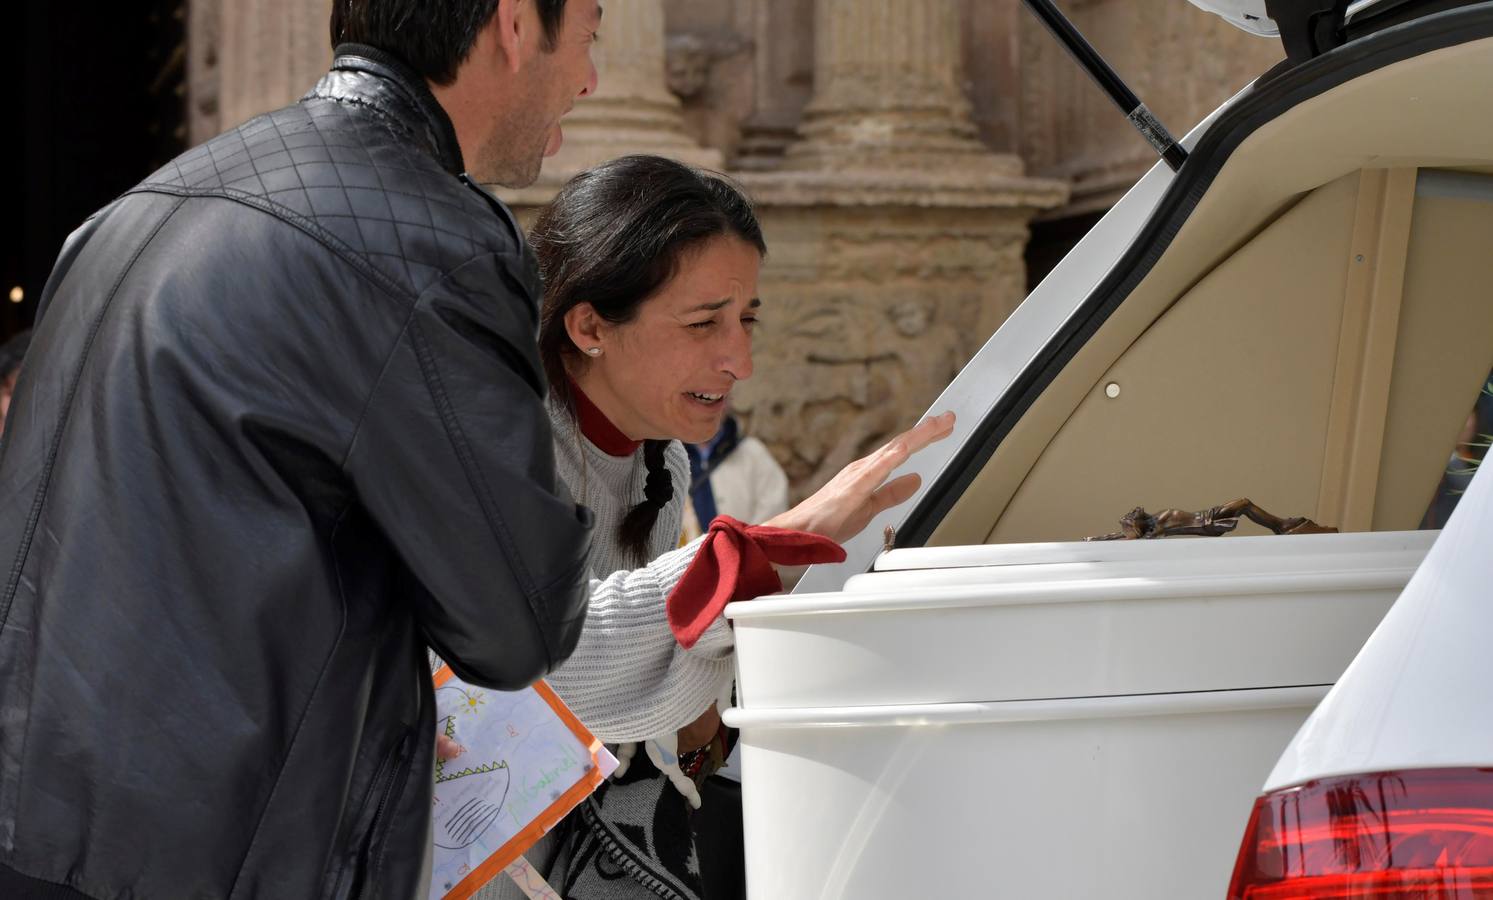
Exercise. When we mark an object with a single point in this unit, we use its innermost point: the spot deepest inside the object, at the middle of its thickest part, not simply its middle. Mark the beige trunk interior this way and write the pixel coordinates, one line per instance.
(1313, 338)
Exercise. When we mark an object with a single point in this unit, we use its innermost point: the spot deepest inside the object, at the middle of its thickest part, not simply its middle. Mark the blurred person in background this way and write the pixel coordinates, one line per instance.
(11, 354)
(1468, 455)
(733, 474)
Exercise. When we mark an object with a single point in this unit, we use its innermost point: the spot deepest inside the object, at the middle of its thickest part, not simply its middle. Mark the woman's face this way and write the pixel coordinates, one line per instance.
(667, 374)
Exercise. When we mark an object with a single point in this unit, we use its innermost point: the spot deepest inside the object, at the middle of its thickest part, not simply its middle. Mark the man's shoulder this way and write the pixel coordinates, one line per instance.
(349, 178)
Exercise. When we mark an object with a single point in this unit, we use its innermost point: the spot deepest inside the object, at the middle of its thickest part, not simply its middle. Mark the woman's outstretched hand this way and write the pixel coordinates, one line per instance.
(846, 505)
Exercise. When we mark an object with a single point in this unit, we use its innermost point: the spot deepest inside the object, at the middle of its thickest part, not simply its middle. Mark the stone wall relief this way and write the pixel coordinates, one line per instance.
(865, 323)
(712, 75)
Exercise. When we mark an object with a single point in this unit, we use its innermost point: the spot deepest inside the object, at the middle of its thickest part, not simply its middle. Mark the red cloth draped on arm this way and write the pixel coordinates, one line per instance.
(735, 562)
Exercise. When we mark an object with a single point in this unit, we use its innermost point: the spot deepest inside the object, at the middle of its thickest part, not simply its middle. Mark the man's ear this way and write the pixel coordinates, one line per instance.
(509, 21)
(585, 327)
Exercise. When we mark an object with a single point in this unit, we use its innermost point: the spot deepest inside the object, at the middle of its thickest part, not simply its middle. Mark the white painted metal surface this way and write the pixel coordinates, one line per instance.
(1253, 17)
(1034, 621)
(1310, 551)
(1129, 798)
(1247, 15)
(1046, 720)
(1420, 693)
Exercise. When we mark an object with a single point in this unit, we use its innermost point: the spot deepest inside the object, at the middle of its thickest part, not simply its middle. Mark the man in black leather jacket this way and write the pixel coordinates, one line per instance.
(280, 428)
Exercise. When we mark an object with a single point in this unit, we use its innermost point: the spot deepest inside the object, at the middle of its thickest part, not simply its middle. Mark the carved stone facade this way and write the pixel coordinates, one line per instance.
(897, 152)
(896, 238)
(870, 312)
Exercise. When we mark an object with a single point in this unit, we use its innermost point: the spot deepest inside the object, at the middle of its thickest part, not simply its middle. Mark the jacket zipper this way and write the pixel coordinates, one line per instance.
(376, 828)
(382, 787)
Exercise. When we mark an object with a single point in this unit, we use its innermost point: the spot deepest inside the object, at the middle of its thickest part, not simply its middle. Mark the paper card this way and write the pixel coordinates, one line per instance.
(528, 762)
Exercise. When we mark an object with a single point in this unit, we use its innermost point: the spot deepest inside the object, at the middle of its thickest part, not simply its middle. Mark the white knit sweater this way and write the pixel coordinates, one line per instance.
(628, 679)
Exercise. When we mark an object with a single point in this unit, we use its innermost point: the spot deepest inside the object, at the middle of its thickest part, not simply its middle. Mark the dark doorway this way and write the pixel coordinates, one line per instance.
(102, 106)
(1051, 240)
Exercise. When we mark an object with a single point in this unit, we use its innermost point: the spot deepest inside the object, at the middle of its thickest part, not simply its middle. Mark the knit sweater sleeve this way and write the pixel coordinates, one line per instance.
(628, 679)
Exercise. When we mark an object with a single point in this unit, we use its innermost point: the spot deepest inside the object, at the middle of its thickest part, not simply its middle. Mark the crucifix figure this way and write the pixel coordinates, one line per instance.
(1218, 520)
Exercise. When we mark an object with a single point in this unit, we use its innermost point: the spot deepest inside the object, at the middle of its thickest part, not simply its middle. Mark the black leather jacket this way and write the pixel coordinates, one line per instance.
(280, 427)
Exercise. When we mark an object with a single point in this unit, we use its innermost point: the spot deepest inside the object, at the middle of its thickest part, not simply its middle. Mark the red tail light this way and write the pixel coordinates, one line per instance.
(1423, 834)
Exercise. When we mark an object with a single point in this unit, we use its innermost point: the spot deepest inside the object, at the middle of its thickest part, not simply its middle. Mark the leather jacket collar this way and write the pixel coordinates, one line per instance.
(378, 80)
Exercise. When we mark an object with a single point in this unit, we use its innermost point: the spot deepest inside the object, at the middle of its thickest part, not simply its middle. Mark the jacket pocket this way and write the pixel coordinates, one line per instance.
(358, 874)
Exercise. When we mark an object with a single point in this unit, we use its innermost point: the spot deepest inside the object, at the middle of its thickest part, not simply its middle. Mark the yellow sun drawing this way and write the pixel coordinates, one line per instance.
(474, 700)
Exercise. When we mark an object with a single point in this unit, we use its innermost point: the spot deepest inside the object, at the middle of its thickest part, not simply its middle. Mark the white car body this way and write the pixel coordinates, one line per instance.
(1420, 693)
(1063, 719)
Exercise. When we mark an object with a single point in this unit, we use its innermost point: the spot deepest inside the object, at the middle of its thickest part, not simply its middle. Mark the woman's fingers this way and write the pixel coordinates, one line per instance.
(898, 490)
(933, 428)
(842, 508)
(896, 451)
(447, 749)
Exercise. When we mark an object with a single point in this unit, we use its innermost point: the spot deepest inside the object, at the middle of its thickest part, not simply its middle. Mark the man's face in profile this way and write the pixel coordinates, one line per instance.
(551, 80)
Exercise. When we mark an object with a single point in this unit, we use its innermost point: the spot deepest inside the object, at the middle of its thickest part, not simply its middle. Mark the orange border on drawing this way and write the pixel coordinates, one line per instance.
(501, 858)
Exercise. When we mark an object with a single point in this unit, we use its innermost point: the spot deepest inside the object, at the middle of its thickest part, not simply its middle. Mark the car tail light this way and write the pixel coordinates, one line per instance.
(1424, 834)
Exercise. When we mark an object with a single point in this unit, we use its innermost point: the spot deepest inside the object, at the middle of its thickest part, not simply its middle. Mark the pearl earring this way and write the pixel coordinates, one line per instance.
(593, 351)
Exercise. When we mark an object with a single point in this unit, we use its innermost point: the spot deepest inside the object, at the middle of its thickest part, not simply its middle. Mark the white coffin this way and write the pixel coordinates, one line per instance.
(1040, 720)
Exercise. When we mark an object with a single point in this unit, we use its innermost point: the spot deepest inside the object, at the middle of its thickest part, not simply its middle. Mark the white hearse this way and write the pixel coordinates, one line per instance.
(1301, 314)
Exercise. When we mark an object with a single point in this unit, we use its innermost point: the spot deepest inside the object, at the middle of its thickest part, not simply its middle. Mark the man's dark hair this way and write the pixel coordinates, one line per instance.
(433, 38)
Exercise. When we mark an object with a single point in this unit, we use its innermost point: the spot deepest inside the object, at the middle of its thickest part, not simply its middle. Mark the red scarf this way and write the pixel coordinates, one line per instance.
(734, 562)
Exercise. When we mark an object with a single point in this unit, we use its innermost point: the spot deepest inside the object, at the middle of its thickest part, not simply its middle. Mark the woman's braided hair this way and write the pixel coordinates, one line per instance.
(613, 237)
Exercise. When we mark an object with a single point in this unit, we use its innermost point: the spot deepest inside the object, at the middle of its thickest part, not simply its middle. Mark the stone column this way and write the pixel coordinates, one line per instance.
(782, 33)
(270, 52)
(992, 69)
(632, 110)
(888, 91)
(895, 239)
(203, 26)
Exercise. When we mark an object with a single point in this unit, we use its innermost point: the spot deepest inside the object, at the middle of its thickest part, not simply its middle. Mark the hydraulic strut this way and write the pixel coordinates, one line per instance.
(1141, 117)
